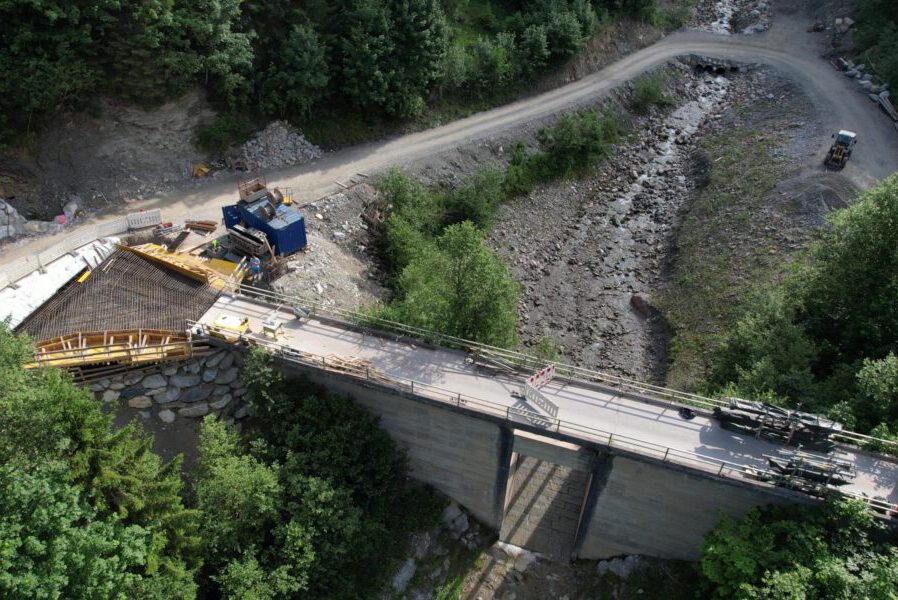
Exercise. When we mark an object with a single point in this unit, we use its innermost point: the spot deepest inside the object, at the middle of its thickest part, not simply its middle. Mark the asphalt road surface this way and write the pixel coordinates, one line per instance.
(786, 47)
(591, 412)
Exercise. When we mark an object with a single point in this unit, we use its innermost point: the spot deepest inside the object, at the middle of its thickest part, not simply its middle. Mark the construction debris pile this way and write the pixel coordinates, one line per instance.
(278, 145)
(789, 427)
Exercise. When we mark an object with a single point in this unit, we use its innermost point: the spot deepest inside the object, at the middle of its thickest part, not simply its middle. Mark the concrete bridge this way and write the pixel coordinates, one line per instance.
(615, 471)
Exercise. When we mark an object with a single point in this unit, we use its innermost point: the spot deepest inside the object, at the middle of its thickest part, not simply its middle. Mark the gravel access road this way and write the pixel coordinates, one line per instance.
(786, 47)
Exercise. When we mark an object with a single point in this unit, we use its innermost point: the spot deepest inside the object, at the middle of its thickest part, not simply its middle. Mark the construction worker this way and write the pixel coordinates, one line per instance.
(255, 267)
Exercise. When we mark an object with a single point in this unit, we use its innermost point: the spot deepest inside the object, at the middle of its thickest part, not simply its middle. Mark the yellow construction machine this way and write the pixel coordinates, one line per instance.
(840, 151)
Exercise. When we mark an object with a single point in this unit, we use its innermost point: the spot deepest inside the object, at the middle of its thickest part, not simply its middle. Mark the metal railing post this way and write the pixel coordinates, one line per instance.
(666, 452)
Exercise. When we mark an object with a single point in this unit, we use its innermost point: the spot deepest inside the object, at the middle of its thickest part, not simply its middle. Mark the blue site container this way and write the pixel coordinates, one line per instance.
(283, 225)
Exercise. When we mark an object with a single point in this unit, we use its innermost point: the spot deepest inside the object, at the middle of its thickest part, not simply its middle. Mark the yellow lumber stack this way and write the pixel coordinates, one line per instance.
(219, 274)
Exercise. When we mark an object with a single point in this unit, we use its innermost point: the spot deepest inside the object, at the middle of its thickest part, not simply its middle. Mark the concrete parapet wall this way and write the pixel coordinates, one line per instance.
(660, 510)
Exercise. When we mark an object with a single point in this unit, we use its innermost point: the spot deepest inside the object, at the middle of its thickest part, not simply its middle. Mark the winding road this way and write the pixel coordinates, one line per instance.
(786, 47)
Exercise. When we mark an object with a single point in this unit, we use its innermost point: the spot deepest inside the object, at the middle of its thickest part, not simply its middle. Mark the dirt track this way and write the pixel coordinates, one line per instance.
(786, 47)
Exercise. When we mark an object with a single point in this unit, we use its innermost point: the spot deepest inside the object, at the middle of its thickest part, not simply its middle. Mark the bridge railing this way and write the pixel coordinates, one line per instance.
(511, 359)
(514, 414)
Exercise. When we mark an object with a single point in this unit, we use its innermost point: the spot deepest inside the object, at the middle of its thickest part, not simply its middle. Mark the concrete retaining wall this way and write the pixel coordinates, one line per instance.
(192, 388)
(663, 511)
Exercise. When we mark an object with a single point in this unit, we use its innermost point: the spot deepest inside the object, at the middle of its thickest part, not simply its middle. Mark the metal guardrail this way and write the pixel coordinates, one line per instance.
(665, 454)
(17, 269)
(510, 358)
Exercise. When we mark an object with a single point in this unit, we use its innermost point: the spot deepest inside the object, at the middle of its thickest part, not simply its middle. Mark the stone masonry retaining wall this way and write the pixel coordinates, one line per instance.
(193, 388)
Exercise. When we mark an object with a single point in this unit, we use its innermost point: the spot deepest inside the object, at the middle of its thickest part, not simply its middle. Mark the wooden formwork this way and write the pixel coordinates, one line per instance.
(123, 347)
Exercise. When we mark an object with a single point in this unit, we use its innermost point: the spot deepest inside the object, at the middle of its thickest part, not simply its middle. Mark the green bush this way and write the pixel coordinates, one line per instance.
(476, 202)
(130, 515)
(648, 91)
(828, 336)
(876, 36)
(226, 131)
(576, 141)
(832, 551)
(307, 507)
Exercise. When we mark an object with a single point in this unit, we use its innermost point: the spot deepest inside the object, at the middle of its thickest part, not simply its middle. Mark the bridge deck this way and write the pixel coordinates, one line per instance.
(598, 408)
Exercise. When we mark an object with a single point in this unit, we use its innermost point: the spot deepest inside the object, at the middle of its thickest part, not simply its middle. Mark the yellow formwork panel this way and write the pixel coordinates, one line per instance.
(130, 346)
(217, 273)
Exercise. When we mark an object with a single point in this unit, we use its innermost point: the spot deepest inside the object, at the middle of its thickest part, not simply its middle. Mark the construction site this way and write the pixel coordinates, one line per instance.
(126, 300)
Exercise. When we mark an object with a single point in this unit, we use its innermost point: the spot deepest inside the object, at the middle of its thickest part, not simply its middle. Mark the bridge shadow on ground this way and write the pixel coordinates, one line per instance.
(542, 512)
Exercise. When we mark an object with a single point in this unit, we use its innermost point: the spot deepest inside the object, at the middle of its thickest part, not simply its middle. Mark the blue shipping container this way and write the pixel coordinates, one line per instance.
(283, 225)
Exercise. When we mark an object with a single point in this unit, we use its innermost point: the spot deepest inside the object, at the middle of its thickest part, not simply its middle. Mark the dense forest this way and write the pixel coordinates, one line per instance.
(827, 338)
(284, 59)
(876, 37)
(299, 506)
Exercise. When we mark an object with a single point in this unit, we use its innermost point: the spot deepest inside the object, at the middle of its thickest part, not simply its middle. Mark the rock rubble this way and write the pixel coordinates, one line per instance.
(278, 145)
(583, 249)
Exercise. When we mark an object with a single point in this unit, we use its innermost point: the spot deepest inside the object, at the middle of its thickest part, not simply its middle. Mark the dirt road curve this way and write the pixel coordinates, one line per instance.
(786, 47)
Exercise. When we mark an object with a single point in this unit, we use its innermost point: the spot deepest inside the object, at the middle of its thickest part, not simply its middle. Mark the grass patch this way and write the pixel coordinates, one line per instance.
(723, 247)
(648, 91)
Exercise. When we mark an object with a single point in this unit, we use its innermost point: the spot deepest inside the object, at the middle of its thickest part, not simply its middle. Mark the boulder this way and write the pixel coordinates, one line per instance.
(227, 376)
(226, 361)
(450, 513)
(221, 402)
(154, 381)
(169, 371)
(132, 378)
(110, 396)
(209, 375)
(193, 366)
(99, 386)
(12, 224)
(132, 392)
(239, 392)
(241, 412)
(117, 386)
(195, 394)
(166, 416)
(404, 575)
(220, 390)
(169, 395)
(184, 381)
(216, 358)
(622, 567)
(197, 410)
(140, 402)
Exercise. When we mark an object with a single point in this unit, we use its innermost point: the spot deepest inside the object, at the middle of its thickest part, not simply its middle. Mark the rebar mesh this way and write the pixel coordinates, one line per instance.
(124, 292)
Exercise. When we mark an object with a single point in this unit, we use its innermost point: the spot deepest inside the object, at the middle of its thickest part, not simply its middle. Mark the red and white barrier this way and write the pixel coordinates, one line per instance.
(542, 377)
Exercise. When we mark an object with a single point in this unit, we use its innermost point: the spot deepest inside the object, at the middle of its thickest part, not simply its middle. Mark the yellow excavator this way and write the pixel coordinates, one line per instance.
(840, 151)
